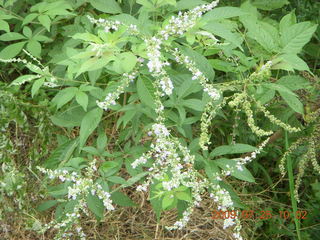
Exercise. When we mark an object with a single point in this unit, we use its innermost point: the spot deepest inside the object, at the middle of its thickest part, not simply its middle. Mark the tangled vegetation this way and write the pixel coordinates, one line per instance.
(168, 107)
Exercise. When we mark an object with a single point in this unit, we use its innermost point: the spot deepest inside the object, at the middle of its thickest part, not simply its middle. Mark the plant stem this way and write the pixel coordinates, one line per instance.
(291, 186)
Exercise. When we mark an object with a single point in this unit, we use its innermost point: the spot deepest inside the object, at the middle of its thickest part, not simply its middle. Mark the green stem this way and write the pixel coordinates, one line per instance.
(291, 186)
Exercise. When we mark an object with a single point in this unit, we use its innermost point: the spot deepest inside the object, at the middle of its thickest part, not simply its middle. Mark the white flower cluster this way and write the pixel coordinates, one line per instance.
(79, 190)
(177, 26)
(197, 74)
(112, 25)
(156, 65)
(113, 96)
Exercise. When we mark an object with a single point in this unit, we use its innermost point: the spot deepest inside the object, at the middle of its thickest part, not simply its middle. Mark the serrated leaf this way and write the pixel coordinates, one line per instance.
(146, 92)
(183, 196)
(194, 104)
(270, 4)
(293, 82)
(294, 62)
(287, 21)
(232, 149)
(89, 123)
(82, 99)
(278, 88)
(296, 36)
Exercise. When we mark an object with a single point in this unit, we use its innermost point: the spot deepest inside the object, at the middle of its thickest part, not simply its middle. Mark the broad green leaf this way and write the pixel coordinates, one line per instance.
(36, 86)
(107, 6)
(23, 79)
(12, 50)
(183, 196)
(167, 200)
(293, 102)
(27, 32)
(187, 4)
(45, 21)
(201, 62)
(67, 119)
(128, 61)
(146, 91)
(293, 38)
(224, 12)
(88, 37)
(82, 99)
(61, 154)
(89, 123)
(287, 21)
(11, 36)
(243, 174)
(64, 96)
(194, 104)
(121, 199)
(46, 205)
(232, 149)
(278, 88)
(290, 62)
(293, 82)
(34, 47)
(116, 179)
(27, 19)
(96, 206)
(270, 4)
(4, 26)
(110, 167)
(58, 190)
(225, 31)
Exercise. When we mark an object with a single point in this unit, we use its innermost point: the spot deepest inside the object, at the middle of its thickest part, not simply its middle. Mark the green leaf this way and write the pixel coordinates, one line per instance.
(22, 79)
(82, 99)
(58, 190)
(89, 123)
(270, 4)
(167, 201)
(116, 179)
(278, 88)
(287, 21)
(194, 104)
(61, 154)
(293, 102)
(107, 6)
(244, 175)
(187, 4)
(4, 26)
(225, 31)
(11, 36)
(36, 86)
(46, 205)
(121, 199)
(183, 196)
(12, 50)
(201, 62)
(64, 96)
(293, 38)
(96, 206)
(146, 91)
(110, 167)
(27, 32)
(34, 47)
(292, 61)
(224, 12)
(67, 119)
(293, 82)
(232, 149)
(27, 19)
(125, 62)
(45, 21)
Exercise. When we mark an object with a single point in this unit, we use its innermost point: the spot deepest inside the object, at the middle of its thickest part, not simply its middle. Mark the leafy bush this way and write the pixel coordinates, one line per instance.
(166, 97)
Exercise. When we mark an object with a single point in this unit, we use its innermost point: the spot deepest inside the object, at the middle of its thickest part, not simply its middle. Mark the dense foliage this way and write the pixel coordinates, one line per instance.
(180, 100)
